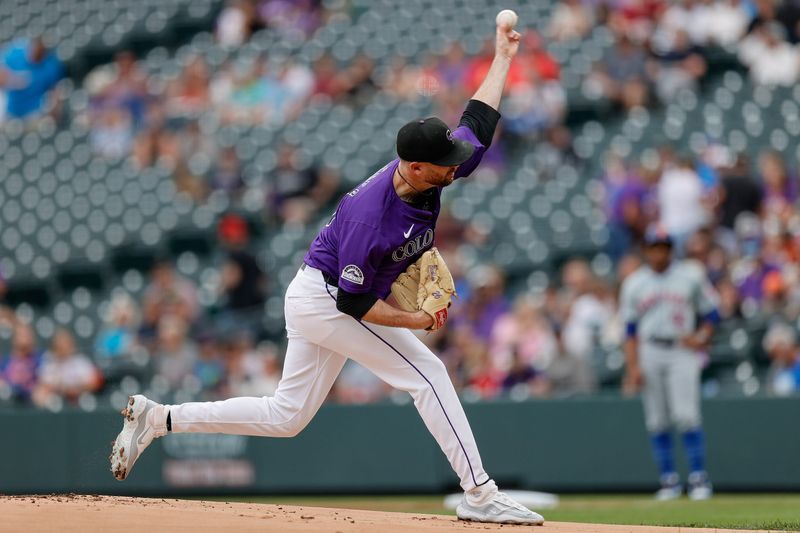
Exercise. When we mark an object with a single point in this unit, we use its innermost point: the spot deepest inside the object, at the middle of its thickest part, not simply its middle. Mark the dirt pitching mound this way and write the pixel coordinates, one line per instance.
(90, 514)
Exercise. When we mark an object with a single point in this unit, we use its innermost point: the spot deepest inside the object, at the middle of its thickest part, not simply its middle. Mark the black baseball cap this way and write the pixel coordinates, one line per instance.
(428, 140)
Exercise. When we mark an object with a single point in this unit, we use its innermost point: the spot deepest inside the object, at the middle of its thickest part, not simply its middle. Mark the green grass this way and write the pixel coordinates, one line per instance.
(734, 511)
(730, 511)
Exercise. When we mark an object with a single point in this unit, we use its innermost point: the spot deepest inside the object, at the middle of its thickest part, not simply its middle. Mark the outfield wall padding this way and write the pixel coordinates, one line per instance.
(585, 445)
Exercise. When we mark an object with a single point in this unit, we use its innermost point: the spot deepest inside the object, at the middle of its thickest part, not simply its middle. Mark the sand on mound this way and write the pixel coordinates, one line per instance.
(91, 513)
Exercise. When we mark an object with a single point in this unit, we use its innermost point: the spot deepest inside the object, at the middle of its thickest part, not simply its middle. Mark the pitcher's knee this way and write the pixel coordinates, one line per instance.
(431, 373)
(434, 369)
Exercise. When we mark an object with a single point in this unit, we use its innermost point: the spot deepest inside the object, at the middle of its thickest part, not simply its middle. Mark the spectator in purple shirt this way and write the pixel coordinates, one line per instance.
(486, 303)
(752, 286)
(626, 194)
(288, 15)
(524, 376)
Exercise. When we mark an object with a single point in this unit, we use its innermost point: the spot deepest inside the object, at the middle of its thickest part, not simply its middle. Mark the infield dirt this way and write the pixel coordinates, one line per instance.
(90, 514)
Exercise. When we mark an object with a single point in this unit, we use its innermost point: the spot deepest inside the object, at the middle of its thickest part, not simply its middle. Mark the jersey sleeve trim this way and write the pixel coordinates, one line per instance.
(354, 304)
(482, 119)
(713, 317)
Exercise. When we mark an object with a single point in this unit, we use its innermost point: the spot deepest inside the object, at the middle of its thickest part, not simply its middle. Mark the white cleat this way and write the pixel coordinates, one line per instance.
(499, 509)
(670, 488)
(699, 493)
(699, 487)
(665, 494)
(144, 421)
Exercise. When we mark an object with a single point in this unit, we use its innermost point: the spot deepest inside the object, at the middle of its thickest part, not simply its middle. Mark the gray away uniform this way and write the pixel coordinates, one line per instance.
(661, 309)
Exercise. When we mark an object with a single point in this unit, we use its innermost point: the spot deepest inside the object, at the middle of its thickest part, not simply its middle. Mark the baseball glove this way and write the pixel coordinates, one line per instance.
(428, 285)
(405, 288)
(436, 287)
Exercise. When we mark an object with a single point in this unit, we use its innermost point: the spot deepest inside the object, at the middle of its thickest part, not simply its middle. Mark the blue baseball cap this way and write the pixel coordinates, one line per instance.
(657, 234)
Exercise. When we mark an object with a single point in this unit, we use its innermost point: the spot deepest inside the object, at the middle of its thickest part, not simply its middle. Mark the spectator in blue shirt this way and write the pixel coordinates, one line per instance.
(780, 343)
(19, 369)
(28, 71)
(118, 336)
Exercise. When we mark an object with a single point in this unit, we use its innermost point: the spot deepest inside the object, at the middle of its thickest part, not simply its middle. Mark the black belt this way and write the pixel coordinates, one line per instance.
(330, 280)
(663, 342)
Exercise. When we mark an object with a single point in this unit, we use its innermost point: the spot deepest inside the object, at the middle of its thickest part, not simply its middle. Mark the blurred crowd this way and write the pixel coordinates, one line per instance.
(239, 19)
(545, 343)
(166, 339)
(173, 126)
(662, 47)
(542, 344)
(659, 48)
(736, 217)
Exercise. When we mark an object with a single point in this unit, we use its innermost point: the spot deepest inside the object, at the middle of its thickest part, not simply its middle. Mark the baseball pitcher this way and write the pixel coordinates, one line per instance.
(669, 310)
(379, 241)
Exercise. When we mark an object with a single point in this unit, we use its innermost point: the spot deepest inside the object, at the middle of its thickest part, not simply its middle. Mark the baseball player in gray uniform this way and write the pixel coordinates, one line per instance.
(335, 308)
(669, 309)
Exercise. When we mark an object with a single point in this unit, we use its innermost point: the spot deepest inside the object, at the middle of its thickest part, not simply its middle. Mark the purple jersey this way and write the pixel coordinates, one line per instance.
(374, 235)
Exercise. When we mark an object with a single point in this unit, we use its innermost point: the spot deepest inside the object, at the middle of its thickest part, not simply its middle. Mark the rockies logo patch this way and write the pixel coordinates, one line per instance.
(353, 274)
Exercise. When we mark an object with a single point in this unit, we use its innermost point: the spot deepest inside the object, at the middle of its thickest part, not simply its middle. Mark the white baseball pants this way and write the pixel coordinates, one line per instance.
(320, 340)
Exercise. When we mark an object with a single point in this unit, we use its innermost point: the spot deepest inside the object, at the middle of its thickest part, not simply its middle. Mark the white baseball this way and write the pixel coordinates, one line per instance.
(507, 19)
